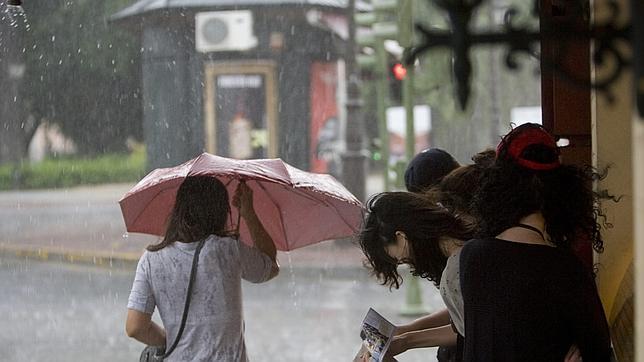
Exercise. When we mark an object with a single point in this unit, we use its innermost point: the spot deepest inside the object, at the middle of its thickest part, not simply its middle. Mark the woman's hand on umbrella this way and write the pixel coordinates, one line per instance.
(243, 200)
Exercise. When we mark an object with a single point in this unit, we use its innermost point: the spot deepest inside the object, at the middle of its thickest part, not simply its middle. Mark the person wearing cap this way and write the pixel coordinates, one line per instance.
(424, 172)
(425, 242)
(526, 296)
(427, 169)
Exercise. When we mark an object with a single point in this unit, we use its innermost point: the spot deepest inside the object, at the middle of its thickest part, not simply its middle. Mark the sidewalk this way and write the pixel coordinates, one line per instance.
(85, 225)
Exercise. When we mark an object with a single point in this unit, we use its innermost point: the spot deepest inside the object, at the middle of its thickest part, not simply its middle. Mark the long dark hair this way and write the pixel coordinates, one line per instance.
(563, 194)
(201, 209)
(423, 222)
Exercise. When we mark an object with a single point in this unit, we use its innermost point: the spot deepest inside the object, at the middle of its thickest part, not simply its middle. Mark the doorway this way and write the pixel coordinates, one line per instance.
(240, 102)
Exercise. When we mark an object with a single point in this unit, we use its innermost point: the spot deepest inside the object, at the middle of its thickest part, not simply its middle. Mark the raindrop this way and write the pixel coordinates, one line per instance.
(292, 281)
(53, 38)
(126, 235)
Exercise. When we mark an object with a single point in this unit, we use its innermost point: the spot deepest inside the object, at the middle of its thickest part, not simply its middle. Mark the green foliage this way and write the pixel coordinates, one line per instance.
(69, 172)
(84, 73)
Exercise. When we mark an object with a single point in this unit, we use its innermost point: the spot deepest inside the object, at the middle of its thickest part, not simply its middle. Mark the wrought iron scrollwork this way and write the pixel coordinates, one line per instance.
(609, 38)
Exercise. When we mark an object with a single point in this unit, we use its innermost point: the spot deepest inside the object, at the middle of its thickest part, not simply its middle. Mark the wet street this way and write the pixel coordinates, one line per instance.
(73, 312)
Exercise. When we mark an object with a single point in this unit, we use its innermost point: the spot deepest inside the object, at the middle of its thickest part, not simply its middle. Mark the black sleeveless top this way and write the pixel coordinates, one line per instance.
(527, 302)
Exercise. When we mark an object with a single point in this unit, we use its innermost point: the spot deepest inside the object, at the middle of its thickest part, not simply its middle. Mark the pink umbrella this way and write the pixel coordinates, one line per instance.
(297, 208)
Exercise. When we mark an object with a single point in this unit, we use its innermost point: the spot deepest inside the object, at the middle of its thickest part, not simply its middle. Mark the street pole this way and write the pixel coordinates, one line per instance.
(381, 109)
(414, 299)
(354, 160)
(408, 103)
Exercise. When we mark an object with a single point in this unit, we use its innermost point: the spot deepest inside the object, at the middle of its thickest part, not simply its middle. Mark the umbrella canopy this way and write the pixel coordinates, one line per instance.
(297, 208)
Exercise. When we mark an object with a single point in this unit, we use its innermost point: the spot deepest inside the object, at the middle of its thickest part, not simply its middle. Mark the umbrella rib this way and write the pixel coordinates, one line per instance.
(138, 216)
(305, 195)
(339, 214)
(278, 210)
(327, 203)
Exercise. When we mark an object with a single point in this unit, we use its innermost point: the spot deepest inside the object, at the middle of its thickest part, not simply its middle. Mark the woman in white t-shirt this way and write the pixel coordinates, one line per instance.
(412, 229)
(214, 329)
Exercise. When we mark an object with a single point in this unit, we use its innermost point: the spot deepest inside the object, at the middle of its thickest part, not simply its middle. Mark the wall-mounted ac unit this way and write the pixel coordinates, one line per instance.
(224, 31)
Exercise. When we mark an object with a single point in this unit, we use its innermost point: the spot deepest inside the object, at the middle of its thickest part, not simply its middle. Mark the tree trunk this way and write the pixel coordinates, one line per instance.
(13, 127)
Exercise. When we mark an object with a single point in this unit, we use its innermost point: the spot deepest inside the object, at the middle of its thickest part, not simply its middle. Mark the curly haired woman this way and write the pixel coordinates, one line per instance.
(526, 296)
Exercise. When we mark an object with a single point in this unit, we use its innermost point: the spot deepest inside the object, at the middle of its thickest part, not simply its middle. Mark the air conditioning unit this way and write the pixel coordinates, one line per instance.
(217, 31)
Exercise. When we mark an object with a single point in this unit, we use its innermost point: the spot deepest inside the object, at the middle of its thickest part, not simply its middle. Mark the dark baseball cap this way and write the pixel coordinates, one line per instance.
(427, 168)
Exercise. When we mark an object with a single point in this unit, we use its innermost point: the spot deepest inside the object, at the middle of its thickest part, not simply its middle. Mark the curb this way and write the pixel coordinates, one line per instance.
(130, 260)
(72, 256)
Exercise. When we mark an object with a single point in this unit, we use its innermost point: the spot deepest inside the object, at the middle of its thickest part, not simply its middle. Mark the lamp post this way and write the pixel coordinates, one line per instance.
(354, 159)
(12, 70)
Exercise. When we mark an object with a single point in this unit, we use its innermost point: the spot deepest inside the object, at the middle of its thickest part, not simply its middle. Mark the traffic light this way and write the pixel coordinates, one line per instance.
(396, 75)
(399, 71)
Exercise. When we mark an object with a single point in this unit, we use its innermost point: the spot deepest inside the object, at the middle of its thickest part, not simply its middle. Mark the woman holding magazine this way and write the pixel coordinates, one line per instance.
(425, 242)
(403, 228)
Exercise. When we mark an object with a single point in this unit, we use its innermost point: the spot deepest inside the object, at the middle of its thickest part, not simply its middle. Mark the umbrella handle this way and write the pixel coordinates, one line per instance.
(238, 224)
(237, 227)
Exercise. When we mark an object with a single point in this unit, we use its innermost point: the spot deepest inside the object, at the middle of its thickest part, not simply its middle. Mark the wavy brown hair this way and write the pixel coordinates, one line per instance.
(424, 223)
(200, 210)
(457, 190)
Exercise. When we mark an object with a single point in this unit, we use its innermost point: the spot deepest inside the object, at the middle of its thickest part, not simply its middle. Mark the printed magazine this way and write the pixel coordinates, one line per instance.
(376, 334)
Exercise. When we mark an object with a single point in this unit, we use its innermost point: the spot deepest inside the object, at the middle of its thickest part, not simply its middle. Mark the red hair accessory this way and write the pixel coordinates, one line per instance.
(515, 142)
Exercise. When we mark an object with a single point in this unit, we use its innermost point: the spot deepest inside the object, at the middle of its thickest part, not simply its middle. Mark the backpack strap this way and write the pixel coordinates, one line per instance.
(193, 273)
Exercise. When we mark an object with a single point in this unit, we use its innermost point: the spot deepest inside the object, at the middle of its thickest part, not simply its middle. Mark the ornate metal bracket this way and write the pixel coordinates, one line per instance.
(607, 38)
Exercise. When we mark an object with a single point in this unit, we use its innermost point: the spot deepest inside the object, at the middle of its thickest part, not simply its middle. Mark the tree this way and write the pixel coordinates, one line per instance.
(13, 129)
(82, 73)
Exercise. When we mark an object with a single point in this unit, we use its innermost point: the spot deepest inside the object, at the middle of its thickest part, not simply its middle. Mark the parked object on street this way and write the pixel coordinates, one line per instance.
(297, 208)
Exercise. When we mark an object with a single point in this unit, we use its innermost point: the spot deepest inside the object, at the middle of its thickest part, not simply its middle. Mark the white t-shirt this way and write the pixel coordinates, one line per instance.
(214, 328)
(450, 288)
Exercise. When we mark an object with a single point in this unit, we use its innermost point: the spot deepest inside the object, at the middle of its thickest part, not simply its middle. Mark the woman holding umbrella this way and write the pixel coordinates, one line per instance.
(196, 233)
